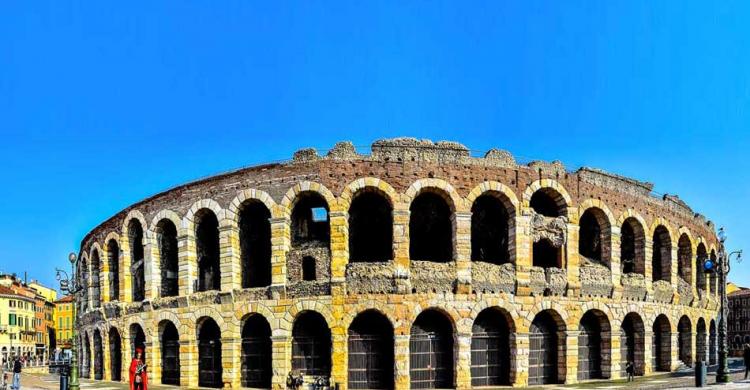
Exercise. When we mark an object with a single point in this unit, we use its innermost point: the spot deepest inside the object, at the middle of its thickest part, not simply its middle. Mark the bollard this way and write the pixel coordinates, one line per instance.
(700, 374)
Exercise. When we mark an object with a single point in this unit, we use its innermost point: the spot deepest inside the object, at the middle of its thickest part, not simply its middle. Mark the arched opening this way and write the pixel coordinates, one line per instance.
(113, 257)
(115, 355)
(662, 344)
(137, 340)
(170, 353)
(207, 246)
(95, 272)
(662, 255)
(431, 351)
(98, 356)
(700, 275)
(593, 346)
(85, 278)
(311, 345)
(311, 229)
(713, 277)
(548, 202)
(256, 368)
(685, 258)
(138, 281)
(491, 338)
(370, 227)
(593, 236)
(633, 344)
(685, 341)
(209, 354)
(701, 347)
(430, 229)
(712, 344)
(546, 255)
(255, 244)
(632, 247)
(166, 237)
(87, 357)
(370, 352)
(490, 230)
(547, 349)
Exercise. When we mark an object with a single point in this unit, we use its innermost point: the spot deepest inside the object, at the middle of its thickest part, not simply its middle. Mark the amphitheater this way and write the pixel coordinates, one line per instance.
(419, 265)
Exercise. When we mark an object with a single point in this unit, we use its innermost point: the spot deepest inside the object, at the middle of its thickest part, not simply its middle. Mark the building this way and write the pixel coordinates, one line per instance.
(17, 333)
(37, 328)
(416, 266)
(738, 320)
(64, 322)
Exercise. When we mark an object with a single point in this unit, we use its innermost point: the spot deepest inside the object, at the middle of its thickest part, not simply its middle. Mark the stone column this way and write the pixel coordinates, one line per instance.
(569, 364)
(648, 352)
(231, 348)
(281, 355)
(153, 354)
(401, 257)
(615, 343)
(104, 276)
(615, 265)
(675, 358)
(106, 369)
(152, 269)
(524, 259)
(280, 242)
(339, 221)
(401, 355)
(339, 358)
(463, 360)
(188, 362)
(188, 263)
(674, 267)
(573, 263)
(461, 222)
(229, 255)
(521, 357)
(126, 278)
(648, 264)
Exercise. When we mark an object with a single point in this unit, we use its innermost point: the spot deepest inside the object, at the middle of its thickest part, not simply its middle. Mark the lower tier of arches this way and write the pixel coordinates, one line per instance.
(400, 342)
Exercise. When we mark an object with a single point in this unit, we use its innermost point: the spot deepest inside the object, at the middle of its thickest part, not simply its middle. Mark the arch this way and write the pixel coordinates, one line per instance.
(632, 245)
(98, 356)
(371, 351)
(136, 242)
(492, 225)
(254, 221)
(299, 307)
(208, 252)
(492, 340)
(431, 351)
(662, 344)
(370, 226)
(169, 340)
(662, 254)
(594, 346)
(633, 344)
(712, 343)
(87, 356)
(367, 184)
(162, 215)
(431, 227)
(165, 232)
(189, 220)
(553, 189)
(700, 276)
(684, 344)
(701, 347)
(209, 353)
(437, 186)
(115, 354)
(311, 344)
(685, 258)
(504, 193)
(95, 277)
(113, 260)
(84, 276)
(137, 339)
(292, 195)
(547, 348)
(250, 195)
(310, 220)
(256, 358)
(595, 232)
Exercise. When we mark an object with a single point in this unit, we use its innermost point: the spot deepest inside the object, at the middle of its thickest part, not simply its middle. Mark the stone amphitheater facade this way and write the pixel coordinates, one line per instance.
(416, 266)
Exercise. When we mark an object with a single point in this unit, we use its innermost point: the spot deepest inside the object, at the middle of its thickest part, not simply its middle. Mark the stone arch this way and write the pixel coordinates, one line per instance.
(437, 186)
(659, 221)
(685, 250)
(450, 314)
(243, 311)
(519, 322)
(290, 198)
(370, 221)
(685, 340)
(432, 225)
(167, 315)
(135, 214)
(432, 348)
(662, 244)
(367, 184)
(203, 313)
(561, 196)
(497, 189)
(547, 347)
(594, 345)
(165, 214)
(494, 208)
(233, 211)
(557, 308)
(597, 204)
(188, 222)
(661, 343)
(256, 351)
(493, 341)
(603, 224)
(308, 305)
(350, 315)
(370, 351)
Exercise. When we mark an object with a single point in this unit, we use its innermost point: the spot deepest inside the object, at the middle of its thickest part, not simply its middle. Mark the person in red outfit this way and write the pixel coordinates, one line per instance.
(138, 374)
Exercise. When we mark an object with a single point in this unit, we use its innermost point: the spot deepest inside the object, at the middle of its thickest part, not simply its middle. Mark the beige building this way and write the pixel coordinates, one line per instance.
(416, 266)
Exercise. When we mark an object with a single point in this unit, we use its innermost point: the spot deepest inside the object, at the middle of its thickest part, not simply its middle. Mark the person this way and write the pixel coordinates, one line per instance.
(16, 374)
(630, 369)
(746, 355)
(138, 374)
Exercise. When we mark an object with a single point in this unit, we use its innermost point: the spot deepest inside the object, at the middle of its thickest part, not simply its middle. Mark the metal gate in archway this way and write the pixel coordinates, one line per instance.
(431, 361)
(370, 365)
(170, 371)
(542, 355)
(98, 357)
(209, 363)
(589, 352)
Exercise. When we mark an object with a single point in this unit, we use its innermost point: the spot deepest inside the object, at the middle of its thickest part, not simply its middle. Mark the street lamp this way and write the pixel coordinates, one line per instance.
(71, 286)
(722, 268)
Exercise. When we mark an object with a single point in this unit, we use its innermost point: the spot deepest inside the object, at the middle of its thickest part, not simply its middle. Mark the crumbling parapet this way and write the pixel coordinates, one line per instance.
(371, 278)
(429, 276)
(663, 292)
(493, 278)
(596, 280)
(685, 291)
(548, 281)
(634, 287)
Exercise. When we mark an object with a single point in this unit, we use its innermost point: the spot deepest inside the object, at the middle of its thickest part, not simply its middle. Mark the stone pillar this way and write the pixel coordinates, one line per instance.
(126, 278)
(104, 276)
(231, 348)
(339, 358)
(229, 255)
(463, 360)
(615, 265)
(401, 259)
(675, 267)
(153, 354)
(106, 365)
(188, 263)
(648, 264)
(573, 263)
(280, 242)
(648, 352)
(461, 222)
(339, 221)
(401, 355)
(675, 358)
(569, 364)
(615, 343)
(524, 259)
(188, 362)
(521, 357)
(152, 269)
(281, 355)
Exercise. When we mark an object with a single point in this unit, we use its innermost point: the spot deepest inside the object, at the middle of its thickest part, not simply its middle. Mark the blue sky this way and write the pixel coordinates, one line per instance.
(103, 104)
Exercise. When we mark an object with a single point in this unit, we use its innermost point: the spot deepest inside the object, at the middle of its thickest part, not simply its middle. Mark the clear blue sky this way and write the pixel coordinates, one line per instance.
(103, 104)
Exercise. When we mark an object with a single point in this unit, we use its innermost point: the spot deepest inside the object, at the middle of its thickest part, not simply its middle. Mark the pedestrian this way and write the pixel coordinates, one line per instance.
(17, 374)
(746, 355)
(138, 374)
(630, 369)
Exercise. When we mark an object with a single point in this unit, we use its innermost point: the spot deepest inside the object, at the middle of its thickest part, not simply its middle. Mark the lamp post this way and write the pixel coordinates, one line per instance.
(72, 287)
(722, 270)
